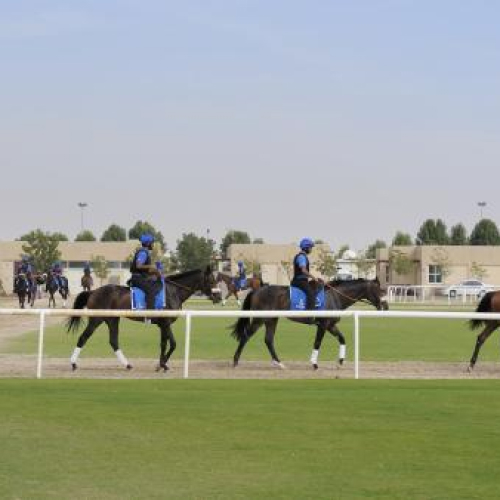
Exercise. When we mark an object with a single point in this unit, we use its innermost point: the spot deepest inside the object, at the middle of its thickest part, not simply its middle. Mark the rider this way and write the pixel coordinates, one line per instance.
(141, 269)
(57, 273)
(25, 266)
(301, 276)
(86, 269)
(241, 275)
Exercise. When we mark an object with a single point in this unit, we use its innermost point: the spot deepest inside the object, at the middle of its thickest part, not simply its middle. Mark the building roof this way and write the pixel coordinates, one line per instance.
(76, 250)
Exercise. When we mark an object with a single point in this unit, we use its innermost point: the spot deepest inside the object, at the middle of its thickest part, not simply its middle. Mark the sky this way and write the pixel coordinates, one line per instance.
(341, 121)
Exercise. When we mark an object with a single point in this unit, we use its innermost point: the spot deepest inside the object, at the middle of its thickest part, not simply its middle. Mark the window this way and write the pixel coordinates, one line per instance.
(435, 275)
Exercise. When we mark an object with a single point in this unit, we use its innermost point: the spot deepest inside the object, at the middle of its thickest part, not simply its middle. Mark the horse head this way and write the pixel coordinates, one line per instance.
(374, 294)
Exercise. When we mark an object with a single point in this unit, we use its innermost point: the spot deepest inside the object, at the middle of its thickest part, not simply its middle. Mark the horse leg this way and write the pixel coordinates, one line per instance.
(269, 340)
(113, 341)
(82, 340)
(237, 298)
(320, 333)
(251, 329)
(167, 337)
(481, 339)
(332, 328)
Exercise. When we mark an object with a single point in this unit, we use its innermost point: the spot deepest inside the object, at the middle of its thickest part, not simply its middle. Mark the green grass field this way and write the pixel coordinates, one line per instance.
(381, 340)
(116, 439)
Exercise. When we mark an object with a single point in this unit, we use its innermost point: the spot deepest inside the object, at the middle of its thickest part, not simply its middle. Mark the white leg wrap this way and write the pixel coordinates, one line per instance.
(342, 351)
(75, 355)
(314, 357)
(121, 357)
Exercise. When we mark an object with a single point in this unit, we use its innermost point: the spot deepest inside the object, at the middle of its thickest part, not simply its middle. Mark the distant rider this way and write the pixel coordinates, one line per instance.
(145, 275)
(241, 275)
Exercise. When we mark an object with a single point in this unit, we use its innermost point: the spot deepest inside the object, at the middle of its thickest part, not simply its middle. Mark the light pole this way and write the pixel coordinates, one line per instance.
(82, 206)
(481, 205)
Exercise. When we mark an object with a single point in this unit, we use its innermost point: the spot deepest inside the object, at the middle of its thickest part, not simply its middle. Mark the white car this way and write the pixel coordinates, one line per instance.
(468, 287)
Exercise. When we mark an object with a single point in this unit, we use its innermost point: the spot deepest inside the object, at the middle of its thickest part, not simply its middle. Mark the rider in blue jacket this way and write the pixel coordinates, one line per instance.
(302, 277)
(145, 275)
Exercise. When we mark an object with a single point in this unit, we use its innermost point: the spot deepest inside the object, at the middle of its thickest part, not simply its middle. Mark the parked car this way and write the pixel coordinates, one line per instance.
(468, 287)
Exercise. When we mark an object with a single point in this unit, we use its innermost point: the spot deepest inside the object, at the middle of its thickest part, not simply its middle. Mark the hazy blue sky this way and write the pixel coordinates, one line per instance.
(340, 120)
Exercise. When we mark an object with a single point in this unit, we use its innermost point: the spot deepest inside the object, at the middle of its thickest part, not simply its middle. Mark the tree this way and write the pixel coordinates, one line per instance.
(193, 252)
(141, 227)
(400, 262)
(458, 235)
(371, 251)
(233, 236)
(433, 232)
(60, 236)
(402, 240)
(85, 235)
(114, 233)
(365, 265)
(478, 271)
(287, 267)
(100, 266)
(326, 263)
(485, 232)
(341, 251)
(42, 249)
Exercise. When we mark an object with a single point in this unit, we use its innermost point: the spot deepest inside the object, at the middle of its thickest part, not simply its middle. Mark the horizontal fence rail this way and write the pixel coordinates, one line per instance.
(188, 314)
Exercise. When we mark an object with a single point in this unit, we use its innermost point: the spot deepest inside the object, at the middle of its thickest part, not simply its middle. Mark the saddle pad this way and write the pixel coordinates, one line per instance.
(298, 299)
(138, 299)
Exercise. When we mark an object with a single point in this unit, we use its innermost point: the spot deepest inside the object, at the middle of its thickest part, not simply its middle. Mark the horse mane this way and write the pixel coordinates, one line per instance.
(347, 282)
(185, 274)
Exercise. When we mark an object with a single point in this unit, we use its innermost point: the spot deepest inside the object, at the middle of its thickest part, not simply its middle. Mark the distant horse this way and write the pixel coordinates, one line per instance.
(52, 286)
(21, 288)
(87, 282)
(32, 280)
(490, 303)
(251, 284)
(178, 288)
(339, 295)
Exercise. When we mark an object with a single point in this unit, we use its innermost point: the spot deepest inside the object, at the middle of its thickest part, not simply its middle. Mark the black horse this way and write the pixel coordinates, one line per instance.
(339, 295)
(178, 288)
(490, 303)
(54, 284)
(21, 288)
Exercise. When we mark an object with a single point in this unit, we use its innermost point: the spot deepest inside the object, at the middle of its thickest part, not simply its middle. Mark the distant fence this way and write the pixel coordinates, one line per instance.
(431, 293)
(190, 314)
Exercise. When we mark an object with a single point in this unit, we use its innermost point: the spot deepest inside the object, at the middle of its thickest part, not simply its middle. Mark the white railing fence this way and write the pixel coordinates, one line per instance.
(190, 314)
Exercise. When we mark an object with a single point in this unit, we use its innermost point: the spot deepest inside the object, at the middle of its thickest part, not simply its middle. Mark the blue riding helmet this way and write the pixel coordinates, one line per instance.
(240, 263)
(306, 243)
(147, 239)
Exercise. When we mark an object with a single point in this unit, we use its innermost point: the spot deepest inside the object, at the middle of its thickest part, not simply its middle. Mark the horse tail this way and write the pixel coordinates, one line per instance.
(81, 300)
(239, 329)
(483, 306)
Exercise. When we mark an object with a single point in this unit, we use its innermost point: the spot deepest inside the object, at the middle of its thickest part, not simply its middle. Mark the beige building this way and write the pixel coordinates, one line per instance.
(275, 260)
(438, 265)
(73, 258)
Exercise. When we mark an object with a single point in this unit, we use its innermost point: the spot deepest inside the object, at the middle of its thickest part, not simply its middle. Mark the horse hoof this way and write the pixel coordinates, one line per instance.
(129, 367)
(73, 367)
(341, 362)
(470, 368)
(315, 366)
(278, 364)
(166, 369)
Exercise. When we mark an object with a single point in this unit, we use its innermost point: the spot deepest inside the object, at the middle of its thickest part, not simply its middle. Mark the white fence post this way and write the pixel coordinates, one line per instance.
(187, 344)
(356, 345)
(40, 345)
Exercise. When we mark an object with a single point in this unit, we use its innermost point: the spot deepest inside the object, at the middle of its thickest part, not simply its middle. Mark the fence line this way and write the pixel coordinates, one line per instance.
(189, 314)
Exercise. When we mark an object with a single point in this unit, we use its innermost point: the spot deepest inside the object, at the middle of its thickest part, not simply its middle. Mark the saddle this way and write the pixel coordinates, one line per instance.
(298, 299)
(138, 298)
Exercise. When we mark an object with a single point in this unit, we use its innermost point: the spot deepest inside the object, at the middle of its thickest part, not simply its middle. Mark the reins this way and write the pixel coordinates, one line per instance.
(353, 299)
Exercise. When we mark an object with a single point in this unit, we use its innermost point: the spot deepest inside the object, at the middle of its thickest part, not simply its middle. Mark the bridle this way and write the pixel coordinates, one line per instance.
(353, 299)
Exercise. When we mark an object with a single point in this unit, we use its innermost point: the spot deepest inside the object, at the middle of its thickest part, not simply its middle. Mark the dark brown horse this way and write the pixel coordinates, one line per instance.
(54, 284)
(339, 295)
(21, 288)
(232, 290)
(178, 288)
(489, 303)
(87, 282)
